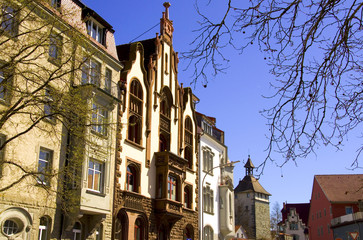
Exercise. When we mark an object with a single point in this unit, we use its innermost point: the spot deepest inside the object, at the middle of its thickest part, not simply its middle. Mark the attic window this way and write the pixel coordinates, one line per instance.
(96, 31)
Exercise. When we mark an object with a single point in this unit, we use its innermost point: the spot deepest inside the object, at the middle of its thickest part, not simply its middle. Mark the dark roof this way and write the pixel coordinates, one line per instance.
(123, 51)
(302, 209)
(249, 183)
(341, 188)
(249, 163)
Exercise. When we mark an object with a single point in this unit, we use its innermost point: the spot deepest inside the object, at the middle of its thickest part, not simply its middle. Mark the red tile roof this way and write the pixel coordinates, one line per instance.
(341, 188)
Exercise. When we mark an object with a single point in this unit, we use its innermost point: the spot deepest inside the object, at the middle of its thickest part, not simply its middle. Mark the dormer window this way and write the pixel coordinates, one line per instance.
(96, 31)
(207, 128)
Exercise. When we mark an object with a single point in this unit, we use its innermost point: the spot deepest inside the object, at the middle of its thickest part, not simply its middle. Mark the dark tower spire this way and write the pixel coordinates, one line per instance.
(249, 167)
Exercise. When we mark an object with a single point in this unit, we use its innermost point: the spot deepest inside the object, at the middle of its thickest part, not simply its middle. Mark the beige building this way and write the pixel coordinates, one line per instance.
(156, 172)
(58, 101)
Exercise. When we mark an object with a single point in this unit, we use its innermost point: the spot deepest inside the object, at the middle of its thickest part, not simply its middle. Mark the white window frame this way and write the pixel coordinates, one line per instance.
(92, 171)
(42, 179)
(91, 72)
(99, 119)
(95, 30)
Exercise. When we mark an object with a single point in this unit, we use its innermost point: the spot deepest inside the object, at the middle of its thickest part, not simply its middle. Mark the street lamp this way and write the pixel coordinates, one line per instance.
(202, 197)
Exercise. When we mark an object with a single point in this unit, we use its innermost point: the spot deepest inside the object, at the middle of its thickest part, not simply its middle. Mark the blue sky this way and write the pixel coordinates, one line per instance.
(234, 98)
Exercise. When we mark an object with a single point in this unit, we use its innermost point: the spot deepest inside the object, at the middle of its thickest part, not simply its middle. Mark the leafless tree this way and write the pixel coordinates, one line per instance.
(275, 218)
(314, 49)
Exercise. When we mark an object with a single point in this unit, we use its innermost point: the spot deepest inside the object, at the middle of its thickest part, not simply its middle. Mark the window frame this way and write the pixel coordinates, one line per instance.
(101, 171)
(99, 31)
(44, 228)
(208, 200)
(208, 157)
(100, 119)
(135, 174)
(12, 27)
(208, 233)
(42, 172)
(55, 48)
(91, 72)
(108, 80)
(172, 188)
(136, 102)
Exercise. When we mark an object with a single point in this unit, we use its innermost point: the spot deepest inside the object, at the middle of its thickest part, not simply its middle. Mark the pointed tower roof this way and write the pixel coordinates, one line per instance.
(249, 182)
(249, 163)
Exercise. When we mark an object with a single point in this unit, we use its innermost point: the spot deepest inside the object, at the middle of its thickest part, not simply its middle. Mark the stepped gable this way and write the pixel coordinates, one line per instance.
(301, 208)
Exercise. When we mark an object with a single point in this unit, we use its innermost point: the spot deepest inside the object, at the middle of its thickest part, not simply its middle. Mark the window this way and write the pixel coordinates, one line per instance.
(55, 47)
(99, 232)
(207, 128)
(5, 83)
(187, 197)
(2, 151)
(99, 119)
(138, 230)
(44, 163)
(208, 233)
(8, 21)
(10, 227)
(348, 210)
(293, 226)
(132, 178)
(108, 79)
(55, 3)
(188, 142)
(95, 31)
(208, 200)
(48, 102)
(172, 187)
(135, 112)
(43, 228)
(91, 72)
(208, 160)
(95, 175)
(77, 231)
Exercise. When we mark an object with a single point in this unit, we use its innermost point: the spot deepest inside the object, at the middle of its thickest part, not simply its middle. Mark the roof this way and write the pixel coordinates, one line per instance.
(302, 209)
(341, 188)
(250, 183)
(249, 163)
(123, 51)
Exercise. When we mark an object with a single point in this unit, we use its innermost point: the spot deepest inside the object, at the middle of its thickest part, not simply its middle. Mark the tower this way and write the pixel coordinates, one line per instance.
(252, 209)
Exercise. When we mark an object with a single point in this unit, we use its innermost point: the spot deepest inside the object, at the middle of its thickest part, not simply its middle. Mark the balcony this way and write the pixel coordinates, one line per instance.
(132, 201)
(169, 209)
(347, 218)
(171, 161)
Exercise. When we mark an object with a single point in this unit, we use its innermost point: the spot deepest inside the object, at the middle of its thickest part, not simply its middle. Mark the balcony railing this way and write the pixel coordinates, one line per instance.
(132, 200)
(169, 207)
(347, 218)
(110, 88)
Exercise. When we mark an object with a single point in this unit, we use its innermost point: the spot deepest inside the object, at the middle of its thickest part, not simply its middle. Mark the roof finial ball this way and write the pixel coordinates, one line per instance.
(167, 5)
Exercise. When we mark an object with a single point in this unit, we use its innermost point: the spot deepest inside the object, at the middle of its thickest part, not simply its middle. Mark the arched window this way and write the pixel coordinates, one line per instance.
(188, 232)
(121, 226)
(138, 230)
(44, 228)
(99, 232)
(187, 197)
(166, 102)
(77, 231)
(132, 178)
(208, 233)
(163, 143)
(188, 155)
(135, 112)
(11, 227)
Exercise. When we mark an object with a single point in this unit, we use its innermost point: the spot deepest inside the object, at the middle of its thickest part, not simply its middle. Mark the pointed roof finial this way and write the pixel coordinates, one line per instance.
(167, 5)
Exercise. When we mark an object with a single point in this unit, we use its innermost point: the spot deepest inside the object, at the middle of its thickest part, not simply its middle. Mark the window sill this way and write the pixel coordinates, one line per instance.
(190, 170)
(99, 134)
(95, 193)
(210, 213)
(50, 120)
(134, 144)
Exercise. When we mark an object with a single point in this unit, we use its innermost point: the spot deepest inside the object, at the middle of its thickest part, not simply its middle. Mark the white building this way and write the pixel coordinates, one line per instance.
(216, 214)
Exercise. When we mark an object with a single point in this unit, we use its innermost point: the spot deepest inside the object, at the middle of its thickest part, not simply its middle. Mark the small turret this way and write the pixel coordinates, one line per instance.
(249, 167)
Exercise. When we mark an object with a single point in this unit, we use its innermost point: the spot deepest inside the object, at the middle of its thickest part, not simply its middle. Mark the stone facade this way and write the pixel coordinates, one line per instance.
(156, 191)
(252, 206)
(65, 126)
